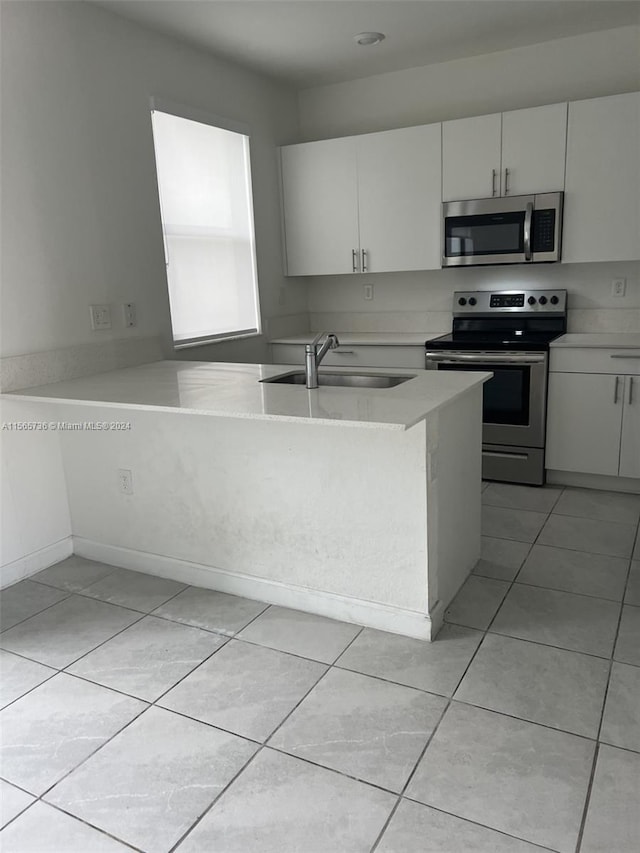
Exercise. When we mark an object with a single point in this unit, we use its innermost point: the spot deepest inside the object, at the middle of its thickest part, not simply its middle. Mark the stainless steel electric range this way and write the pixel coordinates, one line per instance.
(507, 332)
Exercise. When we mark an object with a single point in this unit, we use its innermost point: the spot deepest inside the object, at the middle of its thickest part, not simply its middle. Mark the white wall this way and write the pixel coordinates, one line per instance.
(80, 211)
(585, 66)
(422, 301)
(81, 224)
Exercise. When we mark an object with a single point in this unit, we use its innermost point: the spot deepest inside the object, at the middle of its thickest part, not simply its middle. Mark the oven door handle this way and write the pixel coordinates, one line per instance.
(494, 358)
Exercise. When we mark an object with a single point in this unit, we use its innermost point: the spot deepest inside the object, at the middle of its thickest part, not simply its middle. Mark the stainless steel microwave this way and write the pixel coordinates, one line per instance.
(525, 229)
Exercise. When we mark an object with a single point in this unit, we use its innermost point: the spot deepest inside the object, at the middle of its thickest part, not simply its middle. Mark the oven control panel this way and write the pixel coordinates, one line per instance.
(508, 301)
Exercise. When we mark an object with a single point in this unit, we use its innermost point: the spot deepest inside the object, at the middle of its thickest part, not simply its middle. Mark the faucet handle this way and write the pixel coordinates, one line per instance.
(317, 339)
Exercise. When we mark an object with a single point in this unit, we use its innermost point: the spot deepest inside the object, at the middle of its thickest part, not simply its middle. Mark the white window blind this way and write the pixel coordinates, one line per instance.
(204, 183)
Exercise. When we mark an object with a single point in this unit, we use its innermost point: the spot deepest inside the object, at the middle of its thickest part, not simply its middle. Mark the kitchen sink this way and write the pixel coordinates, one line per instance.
(342, 380)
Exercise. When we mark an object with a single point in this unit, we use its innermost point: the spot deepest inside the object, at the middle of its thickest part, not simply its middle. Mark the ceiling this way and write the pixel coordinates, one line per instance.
(310, 42)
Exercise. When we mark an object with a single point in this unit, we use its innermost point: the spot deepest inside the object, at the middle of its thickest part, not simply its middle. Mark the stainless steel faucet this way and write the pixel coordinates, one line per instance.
(313, 356)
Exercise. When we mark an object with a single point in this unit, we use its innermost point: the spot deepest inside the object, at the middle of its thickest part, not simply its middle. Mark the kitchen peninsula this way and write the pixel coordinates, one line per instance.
(355, 503)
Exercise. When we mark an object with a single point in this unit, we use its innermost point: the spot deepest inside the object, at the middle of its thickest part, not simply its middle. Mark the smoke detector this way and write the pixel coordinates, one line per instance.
(366, 39)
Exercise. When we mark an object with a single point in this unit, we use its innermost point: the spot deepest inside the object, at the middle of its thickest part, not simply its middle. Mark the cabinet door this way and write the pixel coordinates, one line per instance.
(602, 200)
(319, 188)
(630, 444)
(584, 423)
(470, 157)
(399, 192)
(534, 144)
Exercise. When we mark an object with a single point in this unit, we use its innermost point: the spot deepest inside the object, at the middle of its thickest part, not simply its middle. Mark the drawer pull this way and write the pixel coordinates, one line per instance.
(627, 355)
(345, 352)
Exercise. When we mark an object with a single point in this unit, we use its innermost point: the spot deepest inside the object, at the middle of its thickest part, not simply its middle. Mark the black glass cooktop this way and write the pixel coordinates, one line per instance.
(493, 341)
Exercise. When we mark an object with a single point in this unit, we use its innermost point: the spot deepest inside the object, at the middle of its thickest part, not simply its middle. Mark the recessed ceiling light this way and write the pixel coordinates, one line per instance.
(367, 39)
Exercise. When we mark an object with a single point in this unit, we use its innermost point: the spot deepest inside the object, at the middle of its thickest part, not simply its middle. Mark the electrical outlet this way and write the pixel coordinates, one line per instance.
(368, 291)
(618, 287)
(125, 481)
(129, 315)
(100, 317)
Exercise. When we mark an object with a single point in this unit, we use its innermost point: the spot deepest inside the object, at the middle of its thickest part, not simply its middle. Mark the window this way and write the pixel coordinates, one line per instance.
(204, 183)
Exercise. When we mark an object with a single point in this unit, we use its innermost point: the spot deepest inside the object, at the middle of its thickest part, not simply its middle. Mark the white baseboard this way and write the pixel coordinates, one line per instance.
(23, 568)
(371, 614)
(594, 481)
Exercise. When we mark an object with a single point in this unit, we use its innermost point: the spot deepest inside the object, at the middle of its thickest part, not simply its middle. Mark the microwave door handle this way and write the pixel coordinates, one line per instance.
(528, 218)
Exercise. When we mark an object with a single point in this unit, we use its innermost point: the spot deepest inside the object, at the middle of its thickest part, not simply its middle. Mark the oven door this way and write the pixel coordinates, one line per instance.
(513, 400)
(487, 231)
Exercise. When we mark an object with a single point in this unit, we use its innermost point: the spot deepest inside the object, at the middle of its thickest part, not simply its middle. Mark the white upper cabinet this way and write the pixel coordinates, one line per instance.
(602, 199)
(471, 157)
(367, 203)
(399, 184)
(320, 200)
(534, 144)
(515, 153)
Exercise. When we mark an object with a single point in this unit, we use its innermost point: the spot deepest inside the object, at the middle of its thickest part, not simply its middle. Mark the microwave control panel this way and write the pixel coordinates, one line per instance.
(543, 230)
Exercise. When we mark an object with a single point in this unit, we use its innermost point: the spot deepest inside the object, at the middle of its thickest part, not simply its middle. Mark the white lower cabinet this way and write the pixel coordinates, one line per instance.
(402, 357)
(593, 419)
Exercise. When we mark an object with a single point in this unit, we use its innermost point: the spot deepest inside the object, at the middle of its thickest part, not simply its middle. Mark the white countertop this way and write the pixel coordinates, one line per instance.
(373, 339)
(234, 391)
(610, 340)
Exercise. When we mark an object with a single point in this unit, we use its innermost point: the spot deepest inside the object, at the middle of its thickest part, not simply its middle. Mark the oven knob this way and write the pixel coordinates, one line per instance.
(554, 300)
(543, 300)
(531, 300)
(462, 301)
(472, 301)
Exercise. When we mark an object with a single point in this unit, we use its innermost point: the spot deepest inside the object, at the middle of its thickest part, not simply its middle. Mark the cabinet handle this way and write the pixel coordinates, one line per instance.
(345, 352)
(625, 355)
(630, 390)
(615, 391)
(493, 182)
(364, 260)
(354, 260)
(506, 182)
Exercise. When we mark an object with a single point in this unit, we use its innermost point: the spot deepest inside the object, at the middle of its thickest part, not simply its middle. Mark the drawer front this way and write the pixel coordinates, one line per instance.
(595, 360)
(354, 356)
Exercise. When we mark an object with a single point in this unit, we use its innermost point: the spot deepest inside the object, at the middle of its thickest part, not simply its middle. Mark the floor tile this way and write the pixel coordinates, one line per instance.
(477, 602)
(214, 611)
(19, 675)
(520, 524)
(416, 828)
(632, 595)
(621, 722)
(628, 644)
(507, 774)
(562, 619)
(501, 558)
(362, 726)
(586, 534)
(522, 497)
(74, 574)
(613, 817)
(575, 571)
(12, 802)
(65, 632)
(282, 805)
(436, 667)
(554, 687)
(25, 599)
(43, 829)
(245, 689)
(134, 589)
(51, 730)
(127, 791)
(148, 658)
(601, 506)
(301, 634)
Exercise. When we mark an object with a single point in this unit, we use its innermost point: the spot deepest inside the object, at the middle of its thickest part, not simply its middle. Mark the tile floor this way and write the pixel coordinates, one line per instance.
(141, 714)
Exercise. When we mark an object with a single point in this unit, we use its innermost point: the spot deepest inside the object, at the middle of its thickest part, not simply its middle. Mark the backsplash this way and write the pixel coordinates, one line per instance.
(422, 301)
(41, 368)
